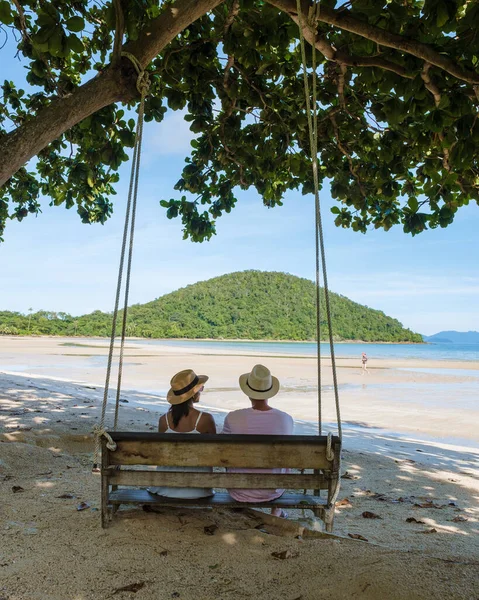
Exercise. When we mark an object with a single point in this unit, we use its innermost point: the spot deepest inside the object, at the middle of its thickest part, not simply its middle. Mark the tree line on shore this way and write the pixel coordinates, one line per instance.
(245, 305)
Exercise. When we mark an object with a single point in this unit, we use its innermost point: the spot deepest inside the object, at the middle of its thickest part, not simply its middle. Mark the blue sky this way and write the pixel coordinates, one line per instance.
(54, 262)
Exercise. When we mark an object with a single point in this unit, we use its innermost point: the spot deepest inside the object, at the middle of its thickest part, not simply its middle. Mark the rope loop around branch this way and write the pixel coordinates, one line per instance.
(143, 80)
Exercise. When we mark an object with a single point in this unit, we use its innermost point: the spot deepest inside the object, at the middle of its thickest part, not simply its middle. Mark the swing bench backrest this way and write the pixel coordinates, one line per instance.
(131, 465)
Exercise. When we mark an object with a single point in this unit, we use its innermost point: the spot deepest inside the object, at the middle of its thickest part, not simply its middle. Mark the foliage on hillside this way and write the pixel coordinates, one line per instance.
(245, 305)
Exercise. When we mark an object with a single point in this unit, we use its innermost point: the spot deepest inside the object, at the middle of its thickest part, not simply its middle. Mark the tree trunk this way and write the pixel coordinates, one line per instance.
(27, 140)
(112, 85)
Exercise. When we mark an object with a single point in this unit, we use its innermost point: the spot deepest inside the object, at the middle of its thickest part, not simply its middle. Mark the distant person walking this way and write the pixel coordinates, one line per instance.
(364, 360)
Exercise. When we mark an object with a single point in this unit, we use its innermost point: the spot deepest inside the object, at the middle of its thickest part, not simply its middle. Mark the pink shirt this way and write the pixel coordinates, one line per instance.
(260, 422)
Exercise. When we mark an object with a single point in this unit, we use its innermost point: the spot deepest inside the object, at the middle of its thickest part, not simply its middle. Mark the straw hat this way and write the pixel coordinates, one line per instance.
(184, 386)
(259, 384)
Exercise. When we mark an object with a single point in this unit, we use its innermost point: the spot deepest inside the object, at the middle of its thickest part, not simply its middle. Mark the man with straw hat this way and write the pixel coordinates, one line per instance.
(259, 385)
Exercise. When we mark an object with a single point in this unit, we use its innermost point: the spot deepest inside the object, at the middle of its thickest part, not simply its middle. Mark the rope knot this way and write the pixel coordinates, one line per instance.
(99, 431)
(143, 79)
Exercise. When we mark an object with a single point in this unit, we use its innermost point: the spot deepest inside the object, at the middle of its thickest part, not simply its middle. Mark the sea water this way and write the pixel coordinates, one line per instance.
(430, 351)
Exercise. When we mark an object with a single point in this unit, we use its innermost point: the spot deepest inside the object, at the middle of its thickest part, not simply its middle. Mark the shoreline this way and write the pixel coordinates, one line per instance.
(155, 347)
(220, 340)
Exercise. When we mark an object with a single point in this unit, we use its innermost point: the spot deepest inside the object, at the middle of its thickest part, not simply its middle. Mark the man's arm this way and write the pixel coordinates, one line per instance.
(290, 426)
(226, 425)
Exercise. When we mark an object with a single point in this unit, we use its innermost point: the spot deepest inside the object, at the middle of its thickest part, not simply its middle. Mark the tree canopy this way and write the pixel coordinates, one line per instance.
(246, 305)
(398, 101)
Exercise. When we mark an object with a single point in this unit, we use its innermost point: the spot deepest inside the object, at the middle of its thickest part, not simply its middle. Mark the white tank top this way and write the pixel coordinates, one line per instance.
(186, 493)
(170, 430)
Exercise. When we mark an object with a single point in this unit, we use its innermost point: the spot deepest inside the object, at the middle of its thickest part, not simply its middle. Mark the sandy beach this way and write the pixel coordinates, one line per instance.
(411, 457)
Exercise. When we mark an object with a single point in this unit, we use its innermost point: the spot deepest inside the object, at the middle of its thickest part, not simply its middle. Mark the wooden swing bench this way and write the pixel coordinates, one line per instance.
(122, 476)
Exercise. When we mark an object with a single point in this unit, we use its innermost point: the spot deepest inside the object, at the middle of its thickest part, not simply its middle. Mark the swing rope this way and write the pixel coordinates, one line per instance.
(311, 113)
(142, 85)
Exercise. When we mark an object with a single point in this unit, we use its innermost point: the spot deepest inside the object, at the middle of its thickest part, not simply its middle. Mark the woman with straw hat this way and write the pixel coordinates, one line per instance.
(183, 417)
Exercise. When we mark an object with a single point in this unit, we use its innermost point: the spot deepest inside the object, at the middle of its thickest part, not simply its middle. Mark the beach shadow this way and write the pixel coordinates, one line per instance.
(389, 474)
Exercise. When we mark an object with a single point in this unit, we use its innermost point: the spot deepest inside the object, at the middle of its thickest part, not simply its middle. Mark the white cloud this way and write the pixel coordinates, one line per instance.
(171, 136)
(407, 284)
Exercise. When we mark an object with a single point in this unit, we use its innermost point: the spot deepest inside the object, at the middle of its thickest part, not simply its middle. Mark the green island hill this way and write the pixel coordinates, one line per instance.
(253, 305)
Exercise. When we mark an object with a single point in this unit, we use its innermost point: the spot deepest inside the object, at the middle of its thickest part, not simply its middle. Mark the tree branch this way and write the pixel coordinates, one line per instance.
(162, 30)
(119, 31)
(343, 150)
(341, 84)
(329, 52)
(111, 85)
(345, 21)
(21, 16)
(227, 73)
(231, 16)
(430, 85)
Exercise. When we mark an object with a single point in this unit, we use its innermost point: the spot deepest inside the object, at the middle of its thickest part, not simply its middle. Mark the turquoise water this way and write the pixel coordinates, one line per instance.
(460, 352)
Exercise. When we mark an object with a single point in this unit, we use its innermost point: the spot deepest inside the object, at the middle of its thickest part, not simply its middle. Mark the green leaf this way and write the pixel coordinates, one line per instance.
(442, 14)
(55, 42)
(75, 24)
(413, 204)
(75, 44)
(6, 14)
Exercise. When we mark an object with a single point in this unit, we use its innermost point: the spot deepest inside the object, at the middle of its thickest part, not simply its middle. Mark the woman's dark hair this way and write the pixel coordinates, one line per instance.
(178, 411)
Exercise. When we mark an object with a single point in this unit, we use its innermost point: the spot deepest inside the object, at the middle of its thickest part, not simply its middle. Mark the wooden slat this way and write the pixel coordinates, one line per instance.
(129, 496)
(292, 440)
(216, 480)
(192, 451)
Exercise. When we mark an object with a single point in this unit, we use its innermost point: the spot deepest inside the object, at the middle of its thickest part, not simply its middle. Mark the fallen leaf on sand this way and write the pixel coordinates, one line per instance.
(344, 502)
(428, 531)
(413, 520)
(83, 506)
(67, 496)
(370, 515)
(382, 498)
(283, 555)
(17, 488)
(357, 536)
(210, 529)
(427, 505)
(459, 519)
(132, 587)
